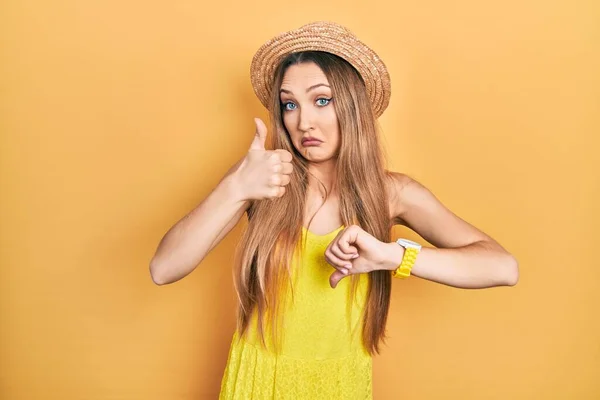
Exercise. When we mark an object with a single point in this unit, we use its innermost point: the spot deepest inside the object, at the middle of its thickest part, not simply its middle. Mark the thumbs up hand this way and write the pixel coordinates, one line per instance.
(263, 174)
(260, 135)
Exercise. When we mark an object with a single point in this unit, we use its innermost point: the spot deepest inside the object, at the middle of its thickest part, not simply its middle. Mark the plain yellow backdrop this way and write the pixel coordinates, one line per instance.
(119, 117)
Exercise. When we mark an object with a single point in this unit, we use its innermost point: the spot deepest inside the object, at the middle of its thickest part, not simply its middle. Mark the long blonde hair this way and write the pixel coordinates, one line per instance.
(262, 269)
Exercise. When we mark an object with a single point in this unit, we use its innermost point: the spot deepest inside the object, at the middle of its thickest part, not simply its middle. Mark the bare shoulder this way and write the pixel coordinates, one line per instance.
(415, 206)
(401, 188)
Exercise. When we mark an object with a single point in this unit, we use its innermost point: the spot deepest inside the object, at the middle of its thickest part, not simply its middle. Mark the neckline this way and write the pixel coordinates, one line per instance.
(325, 235)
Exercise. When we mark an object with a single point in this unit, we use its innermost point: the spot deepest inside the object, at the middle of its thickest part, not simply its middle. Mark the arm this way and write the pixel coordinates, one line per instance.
(186, 244)
(465, 257)
(261, 174)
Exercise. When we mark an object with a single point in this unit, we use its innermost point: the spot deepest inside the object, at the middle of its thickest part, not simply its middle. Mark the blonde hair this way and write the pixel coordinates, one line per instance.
(262, 269)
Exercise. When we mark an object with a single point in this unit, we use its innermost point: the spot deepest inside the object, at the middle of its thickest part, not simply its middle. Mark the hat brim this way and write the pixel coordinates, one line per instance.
(328, 37)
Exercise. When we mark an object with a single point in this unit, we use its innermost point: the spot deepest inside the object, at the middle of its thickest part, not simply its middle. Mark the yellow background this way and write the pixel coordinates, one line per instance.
(118, 117)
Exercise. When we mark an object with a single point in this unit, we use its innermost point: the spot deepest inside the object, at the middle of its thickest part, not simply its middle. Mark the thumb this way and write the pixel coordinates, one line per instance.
(261, 135)
(335, 278)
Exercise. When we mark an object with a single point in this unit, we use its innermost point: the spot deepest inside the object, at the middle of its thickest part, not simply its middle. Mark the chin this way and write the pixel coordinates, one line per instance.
(315, 154)
(317, 158)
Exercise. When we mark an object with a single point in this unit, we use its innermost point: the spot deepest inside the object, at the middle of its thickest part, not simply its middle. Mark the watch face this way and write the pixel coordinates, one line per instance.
(408, 243)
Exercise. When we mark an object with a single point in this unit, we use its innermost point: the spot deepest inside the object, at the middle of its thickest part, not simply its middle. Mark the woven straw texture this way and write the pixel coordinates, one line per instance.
(322, 36)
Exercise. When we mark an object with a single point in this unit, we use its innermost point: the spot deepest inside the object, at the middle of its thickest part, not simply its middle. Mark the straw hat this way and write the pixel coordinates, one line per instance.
(322, 36)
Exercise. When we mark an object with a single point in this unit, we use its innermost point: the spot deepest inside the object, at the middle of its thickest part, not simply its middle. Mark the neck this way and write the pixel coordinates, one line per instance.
(324, 173)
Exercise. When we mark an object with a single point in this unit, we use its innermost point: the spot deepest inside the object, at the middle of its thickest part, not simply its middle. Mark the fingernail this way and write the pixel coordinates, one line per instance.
(344, 271)
(355, 256)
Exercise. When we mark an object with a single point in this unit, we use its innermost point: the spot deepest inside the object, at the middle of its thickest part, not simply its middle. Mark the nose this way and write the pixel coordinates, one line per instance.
(306, 119)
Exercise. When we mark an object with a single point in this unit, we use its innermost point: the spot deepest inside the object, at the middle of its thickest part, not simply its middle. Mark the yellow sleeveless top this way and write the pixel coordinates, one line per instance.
(322, 355)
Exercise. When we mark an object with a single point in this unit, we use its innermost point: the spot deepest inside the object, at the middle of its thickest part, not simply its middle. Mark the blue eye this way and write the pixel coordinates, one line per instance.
(286, 106)
(323, 101)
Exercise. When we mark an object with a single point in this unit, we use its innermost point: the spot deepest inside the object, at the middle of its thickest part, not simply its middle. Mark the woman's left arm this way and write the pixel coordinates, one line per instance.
(463, 256)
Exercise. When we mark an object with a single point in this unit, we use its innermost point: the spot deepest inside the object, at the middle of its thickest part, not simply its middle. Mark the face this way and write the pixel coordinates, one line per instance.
(308, 112)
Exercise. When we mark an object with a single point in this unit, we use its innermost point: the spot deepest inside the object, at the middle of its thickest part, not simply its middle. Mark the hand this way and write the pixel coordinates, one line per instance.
(263, 174)
(354, 251)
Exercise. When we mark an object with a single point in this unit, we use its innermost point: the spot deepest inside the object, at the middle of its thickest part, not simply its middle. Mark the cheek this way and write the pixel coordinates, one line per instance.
(290, 119)
(288, 123)
(332, 125)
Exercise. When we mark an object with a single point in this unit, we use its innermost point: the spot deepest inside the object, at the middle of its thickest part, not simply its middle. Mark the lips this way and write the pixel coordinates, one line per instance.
(310, 141)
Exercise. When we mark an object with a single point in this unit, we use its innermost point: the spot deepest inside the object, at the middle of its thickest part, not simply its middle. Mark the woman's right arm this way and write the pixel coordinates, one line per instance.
(261, 174)
(186, 244)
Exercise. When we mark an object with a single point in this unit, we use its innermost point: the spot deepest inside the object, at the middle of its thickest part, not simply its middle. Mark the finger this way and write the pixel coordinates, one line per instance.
(284, 180)
(284, 155)
(279, 180)
(346, 246)
(274, 157)
(346, 243)
(286, 168)
(275, 180)
(336, 262)
(260, 135)
(335, 278)
(341, 255)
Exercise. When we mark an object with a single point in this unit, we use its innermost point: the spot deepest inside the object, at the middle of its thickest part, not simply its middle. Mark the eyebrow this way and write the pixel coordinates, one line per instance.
(307, 90)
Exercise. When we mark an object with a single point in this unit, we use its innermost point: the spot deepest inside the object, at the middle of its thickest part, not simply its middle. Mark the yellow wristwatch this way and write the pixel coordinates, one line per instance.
(411, 249)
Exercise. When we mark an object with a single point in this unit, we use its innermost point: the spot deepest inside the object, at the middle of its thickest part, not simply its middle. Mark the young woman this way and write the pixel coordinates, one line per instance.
(316, 262)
